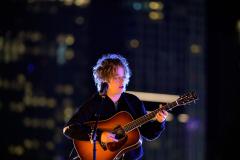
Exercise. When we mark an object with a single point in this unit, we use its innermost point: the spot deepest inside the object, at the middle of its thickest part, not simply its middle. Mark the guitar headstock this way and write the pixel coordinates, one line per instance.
(187, 98)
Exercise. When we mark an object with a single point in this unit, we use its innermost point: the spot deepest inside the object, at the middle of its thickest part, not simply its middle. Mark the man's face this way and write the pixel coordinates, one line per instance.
(116, 83)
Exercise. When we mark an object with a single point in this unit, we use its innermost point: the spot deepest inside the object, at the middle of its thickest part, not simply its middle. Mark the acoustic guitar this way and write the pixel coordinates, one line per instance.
(126, 130)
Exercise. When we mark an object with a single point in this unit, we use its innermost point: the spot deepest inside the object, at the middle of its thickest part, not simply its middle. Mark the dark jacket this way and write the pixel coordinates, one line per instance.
(106, 109)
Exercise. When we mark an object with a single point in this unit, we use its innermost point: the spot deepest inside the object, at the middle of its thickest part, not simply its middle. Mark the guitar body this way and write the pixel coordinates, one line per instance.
(113, 150)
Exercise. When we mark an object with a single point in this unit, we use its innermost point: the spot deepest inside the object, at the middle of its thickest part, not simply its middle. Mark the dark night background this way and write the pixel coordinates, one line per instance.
(223, 79)
(48, 48)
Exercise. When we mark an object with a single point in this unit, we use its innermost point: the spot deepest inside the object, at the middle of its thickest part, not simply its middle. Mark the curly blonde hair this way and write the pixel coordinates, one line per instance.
(106, 68)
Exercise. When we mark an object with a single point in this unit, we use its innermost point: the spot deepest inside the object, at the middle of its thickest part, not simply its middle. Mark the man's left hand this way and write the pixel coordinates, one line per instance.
(161, 116)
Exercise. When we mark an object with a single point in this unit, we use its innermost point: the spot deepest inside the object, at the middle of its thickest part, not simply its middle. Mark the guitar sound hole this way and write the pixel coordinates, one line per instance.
(119, 132)
(121, 136)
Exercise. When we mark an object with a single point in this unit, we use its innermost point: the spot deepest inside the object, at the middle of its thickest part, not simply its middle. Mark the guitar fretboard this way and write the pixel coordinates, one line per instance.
(144, 119)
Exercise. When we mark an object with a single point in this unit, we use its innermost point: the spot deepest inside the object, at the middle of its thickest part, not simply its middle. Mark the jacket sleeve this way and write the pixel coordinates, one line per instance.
(150, 130)
(75, 127)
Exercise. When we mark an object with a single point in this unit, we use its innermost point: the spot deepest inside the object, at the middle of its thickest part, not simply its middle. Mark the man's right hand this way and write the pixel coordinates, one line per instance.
(108, 137)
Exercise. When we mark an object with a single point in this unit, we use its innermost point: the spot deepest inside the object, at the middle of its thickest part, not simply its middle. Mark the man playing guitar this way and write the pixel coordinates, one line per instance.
(116, 138)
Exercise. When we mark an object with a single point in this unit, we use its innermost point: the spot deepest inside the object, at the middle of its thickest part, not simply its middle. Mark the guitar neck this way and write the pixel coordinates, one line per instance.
(144, 119)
